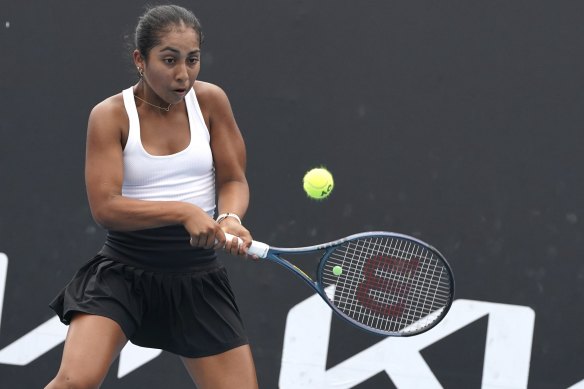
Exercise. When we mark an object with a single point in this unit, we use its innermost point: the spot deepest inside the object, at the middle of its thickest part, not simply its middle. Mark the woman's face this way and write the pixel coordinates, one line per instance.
(173, 65)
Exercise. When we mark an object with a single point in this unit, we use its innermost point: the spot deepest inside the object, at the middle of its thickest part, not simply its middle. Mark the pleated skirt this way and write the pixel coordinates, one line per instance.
(189, 313)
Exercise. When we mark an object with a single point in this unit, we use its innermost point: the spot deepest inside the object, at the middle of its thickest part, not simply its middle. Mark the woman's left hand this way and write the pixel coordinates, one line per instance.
(232, 246)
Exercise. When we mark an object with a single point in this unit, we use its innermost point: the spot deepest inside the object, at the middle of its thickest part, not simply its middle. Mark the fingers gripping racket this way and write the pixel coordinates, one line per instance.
(382, 282)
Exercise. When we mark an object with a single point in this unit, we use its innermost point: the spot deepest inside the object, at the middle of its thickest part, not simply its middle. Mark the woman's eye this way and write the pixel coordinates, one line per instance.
(168, 60)
(194, 60)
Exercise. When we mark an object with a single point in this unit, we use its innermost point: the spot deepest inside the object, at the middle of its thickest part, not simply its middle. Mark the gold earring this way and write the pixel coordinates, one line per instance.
(140, 72)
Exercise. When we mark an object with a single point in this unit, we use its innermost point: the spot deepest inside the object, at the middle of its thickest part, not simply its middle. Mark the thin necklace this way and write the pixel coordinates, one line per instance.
(162, 108)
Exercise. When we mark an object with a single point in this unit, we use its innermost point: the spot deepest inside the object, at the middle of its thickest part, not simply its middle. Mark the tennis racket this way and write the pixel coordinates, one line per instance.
(382, 282)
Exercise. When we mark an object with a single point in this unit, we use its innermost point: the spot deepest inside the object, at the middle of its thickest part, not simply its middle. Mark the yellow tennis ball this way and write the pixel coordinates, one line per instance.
(318, 183)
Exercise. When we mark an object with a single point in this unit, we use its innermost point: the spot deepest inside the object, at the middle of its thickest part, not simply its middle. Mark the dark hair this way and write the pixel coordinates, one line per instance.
(160, 19)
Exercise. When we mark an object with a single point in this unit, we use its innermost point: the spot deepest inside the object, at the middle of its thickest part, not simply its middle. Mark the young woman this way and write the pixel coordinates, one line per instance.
(160, 155)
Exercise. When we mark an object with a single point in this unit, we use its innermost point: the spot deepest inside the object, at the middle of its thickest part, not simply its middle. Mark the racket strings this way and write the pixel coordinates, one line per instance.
(387, 283)
(418, 286)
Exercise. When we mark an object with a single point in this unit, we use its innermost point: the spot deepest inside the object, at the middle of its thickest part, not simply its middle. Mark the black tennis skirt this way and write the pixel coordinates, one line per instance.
(190, 313)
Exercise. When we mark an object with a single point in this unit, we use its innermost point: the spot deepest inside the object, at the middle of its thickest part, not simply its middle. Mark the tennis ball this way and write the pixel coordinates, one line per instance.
(337, 270)
(318, 183)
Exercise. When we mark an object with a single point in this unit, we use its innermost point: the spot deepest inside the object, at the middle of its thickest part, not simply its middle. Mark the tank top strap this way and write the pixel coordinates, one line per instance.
(194, 111)
(132, 111)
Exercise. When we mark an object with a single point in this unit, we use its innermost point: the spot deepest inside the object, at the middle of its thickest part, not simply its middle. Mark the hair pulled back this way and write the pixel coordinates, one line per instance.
(158, 20)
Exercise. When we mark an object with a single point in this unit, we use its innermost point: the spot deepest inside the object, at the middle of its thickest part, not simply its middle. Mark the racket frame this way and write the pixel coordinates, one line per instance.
(272, 253)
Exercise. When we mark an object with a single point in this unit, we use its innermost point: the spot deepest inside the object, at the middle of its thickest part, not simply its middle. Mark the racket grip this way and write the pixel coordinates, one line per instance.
(257, 248)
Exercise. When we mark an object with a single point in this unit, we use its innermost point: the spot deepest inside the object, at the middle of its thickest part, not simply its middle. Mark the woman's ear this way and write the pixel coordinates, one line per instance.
(138, 59)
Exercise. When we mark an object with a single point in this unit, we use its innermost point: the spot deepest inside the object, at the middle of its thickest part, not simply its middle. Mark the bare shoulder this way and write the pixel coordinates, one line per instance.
(108, 109)
(208, 90)
(210, 95)
(109, 114)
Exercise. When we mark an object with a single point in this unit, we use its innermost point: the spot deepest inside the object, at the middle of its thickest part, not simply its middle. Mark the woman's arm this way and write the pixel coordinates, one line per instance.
(229, 157)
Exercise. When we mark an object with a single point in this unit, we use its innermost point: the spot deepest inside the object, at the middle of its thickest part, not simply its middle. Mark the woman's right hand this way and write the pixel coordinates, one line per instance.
(204, 230)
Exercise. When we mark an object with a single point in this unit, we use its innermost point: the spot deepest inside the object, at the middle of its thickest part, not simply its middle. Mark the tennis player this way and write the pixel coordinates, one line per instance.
(160, 155)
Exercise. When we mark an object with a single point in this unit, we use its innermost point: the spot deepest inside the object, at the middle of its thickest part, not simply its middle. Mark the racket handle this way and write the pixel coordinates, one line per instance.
(257, 248)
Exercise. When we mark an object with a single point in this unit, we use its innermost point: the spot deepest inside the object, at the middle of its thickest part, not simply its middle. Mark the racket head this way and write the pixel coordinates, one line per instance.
(390, 284)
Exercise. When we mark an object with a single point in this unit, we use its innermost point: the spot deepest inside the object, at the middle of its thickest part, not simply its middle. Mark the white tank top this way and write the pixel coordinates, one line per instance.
(187, 176)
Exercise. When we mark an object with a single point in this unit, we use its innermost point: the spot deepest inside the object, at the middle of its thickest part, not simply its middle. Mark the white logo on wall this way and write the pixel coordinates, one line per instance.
(506, 361)
(52, 333)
